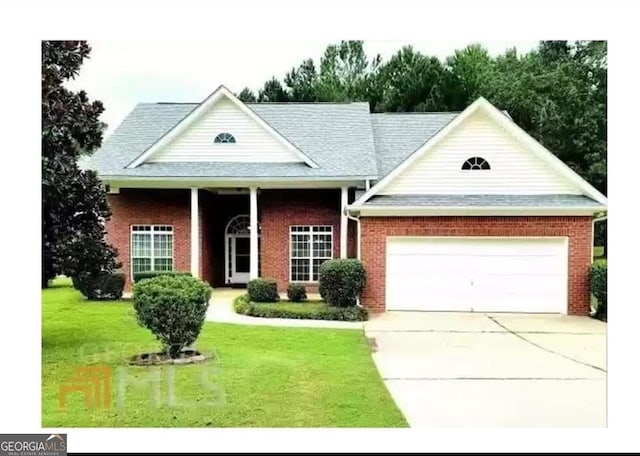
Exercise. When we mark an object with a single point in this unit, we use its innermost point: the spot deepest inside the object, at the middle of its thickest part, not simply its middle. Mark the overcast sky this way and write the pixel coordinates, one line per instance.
(121, 74)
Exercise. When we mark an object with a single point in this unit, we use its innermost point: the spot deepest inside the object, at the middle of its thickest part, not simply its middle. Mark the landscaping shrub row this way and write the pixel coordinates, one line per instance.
(243, 306)
(341, 282)
(266, 290)
(138, 276)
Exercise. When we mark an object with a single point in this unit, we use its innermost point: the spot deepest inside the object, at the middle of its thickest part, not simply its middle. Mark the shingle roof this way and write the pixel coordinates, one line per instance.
(574, 201)
(398, 135)
(337, 136)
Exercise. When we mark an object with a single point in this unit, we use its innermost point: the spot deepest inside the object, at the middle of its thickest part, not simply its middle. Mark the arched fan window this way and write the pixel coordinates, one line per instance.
(238, 225)
(224, 138)
(476, 163)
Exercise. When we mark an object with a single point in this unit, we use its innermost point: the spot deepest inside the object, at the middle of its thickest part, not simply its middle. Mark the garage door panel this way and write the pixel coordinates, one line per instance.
(517, 265)
(477, 274)
(423, 266)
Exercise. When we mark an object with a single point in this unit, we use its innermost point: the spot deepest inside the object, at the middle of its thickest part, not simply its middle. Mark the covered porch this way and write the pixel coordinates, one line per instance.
(228, 236)
(232, 251)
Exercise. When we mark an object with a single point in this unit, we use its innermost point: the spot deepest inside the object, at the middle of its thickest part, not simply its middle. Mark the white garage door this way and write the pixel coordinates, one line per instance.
(477, 274)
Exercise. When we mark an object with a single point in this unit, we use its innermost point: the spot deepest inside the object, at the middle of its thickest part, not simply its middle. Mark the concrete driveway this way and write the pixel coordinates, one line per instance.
(493, 370)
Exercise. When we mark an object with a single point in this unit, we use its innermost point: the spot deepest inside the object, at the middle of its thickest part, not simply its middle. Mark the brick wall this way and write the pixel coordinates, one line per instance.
(278, 210)
(150, 207)
(578, 229)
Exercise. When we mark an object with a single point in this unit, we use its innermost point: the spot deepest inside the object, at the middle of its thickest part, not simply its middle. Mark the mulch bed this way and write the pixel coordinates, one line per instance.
(160, 358)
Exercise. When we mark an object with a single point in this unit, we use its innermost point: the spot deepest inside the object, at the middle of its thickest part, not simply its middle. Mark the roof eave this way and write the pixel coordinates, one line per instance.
(390, 211)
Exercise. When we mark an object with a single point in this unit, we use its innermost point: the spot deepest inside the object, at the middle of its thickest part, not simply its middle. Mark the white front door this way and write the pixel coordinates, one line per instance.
(240, 258)
(477, 274)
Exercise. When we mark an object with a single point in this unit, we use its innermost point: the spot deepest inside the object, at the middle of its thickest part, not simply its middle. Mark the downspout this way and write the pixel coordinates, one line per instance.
(358, 242)
(593, 230)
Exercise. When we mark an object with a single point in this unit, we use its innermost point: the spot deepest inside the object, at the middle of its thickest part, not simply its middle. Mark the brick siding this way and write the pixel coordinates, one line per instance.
(578, 229)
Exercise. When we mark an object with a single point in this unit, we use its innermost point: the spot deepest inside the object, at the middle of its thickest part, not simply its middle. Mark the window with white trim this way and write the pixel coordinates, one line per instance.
(310, 246)
(151, 248)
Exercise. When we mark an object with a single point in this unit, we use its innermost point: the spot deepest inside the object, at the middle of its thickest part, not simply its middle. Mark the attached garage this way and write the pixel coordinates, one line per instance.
(480, 217)
(477, 274)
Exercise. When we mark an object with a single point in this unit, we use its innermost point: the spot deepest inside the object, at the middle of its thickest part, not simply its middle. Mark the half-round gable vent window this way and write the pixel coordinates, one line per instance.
(224, 138)
(476, 163)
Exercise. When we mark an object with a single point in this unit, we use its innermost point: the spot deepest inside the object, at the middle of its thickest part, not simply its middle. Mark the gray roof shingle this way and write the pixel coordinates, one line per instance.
(484, 200)
(398, 135)
(337, 136)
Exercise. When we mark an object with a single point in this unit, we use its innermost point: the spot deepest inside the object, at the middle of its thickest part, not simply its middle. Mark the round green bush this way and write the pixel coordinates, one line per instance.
(263, 290)
(342, 281)
(173, 308)
(296, 292)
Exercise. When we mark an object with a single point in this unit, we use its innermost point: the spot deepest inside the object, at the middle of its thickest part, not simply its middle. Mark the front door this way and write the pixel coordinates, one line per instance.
(240, 259)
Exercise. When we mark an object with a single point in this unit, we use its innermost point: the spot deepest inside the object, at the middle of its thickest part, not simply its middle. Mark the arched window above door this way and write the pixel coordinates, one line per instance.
(238, 225)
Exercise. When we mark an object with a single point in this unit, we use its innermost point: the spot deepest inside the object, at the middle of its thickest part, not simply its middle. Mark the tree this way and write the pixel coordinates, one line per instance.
(344, 72)
(553, 51)
(247, 96)
(557, 92)
(302, 82)
(74, 204)
(472, 68)
(411, 81)
(273, 92)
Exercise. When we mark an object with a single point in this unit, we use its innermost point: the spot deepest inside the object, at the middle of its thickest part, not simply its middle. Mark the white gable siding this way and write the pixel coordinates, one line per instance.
(514, 168)
(253, 142)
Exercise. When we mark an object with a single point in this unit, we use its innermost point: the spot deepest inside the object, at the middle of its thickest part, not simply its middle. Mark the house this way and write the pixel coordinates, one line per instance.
(448, 211)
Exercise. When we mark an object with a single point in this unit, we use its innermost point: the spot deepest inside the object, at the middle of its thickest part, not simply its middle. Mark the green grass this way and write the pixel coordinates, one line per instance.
(262, 376)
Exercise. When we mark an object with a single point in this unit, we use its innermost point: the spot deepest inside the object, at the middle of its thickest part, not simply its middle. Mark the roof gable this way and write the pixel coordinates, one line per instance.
(192, 138)
(520, 165)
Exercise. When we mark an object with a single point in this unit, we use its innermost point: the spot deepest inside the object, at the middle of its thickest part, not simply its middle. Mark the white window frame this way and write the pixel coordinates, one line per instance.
(310, 230)
(160, 229)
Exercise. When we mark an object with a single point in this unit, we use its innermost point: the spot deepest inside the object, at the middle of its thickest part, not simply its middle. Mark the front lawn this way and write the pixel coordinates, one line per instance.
(262, 376)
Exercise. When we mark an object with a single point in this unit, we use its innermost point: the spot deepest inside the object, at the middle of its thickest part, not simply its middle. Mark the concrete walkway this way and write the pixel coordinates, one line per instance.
(221, 311)
(492, 370)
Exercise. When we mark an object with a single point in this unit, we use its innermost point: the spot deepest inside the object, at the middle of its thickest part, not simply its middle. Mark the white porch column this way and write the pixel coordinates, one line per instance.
(195, 234)
(343, 221)
(253, 240)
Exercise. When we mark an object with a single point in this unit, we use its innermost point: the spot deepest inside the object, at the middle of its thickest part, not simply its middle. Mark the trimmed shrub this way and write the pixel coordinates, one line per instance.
(342, 282)
(296, 292)
(105, 286)
(298, 311)
(263, 290)
(138, 276)
(599, 287)
(173, 308)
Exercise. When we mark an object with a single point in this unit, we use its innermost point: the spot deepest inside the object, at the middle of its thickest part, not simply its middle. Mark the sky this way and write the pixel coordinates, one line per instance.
(122, 74)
